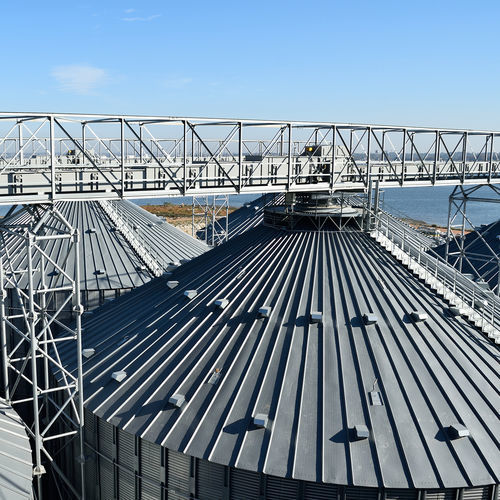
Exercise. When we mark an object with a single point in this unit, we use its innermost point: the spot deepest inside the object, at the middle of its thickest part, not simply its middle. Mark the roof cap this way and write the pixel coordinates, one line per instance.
(456, 431)
(221, 303)
(177, 400)
(361, 431)
(265, 311)
(88, 353)
(369, 318)
(190, 294)
(316, 317)
(260, 420)
(172, 284)
(419, 316)
(119, 375)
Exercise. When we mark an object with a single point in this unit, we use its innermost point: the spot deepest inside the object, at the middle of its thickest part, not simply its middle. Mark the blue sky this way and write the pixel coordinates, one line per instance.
(429, 63)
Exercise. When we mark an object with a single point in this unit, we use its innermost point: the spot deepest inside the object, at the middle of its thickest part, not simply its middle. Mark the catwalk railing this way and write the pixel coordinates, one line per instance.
(467, 298)
(46, 157)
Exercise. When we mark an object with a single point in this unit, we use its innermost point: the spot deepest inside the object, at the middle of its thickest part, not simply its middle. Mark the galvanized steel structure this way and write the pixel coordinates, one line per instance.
(48, 157)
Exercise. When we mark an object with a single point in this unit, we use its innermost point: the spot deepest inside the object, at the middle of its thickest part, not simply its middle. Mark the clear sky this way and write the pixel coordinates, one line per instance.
(420, 62)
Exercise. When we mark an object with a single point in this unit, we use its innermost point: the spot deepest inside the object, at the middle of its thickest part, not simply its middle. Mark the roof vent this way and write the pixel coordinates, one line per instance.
(91, 230)
(172, 284)
(456, 431)
(173, 266)
(375, 398)
(260, 420)
(177, 400)
(88, 353)
(119, 375)
(265, 311)
(221, 303)
(142, 268)
(361, 432)
(419, 316)
(369, 318)
(316, 317)
(99, 272)
(185, 261)
(214, 378)
(190, 294)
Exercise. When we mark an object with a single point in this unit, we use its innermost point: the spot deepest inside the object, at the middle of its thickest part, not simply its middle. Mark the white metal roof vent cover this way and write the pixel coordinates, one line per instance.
(221, 303)
(88, 353)
(177, 400)
(265, 311)
(172, 284)
(457, 431)
(260, 420)
(316, 317)
(190, 294)
(369, 318)
(119, 375)
(419, 316)
(100, 272)
(361, 432)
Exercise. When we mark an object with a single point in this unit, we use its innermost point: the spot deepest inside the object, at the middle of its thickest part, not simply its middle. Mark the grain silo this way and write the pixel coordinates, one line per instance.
(290, 364)
(16, 466)
(121, 247)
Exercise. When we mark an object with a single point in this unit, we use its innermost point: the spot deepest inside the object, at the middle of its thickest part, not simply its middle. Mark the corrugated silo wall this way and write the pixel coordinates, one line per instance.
(121, 466)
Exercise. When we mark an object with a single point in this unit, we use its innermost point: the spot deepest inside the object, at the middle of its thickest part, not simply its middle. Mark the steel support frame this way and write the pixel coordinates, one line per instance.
(46, 157)
(210, 219)
(32, 333)
(459, 200)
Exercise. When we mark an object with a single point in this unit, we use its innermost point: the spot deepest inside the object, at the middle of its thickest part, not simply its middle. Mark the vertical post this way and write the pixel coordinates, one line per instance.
(38, 469)
(240, 156)
(403, 159)
(369, 205)
(463, 209)
(122, 156)
(437, 152)
(83, 141)
(192, 216)
(184, 169)
(334, 146)
(448, 227)
(368, 154)
(20, 134)
(78, 310)
(490, 160)
(464, 155)
(289, 175)
(377, 200)
(141, 149)
(213, 218)
(52, 160)
(3, 334)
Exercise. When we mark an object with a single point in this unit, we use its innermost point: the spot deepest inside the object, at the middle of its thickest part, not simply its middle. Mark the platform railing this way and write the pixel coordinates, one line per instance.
(466, 297)
(138, 243)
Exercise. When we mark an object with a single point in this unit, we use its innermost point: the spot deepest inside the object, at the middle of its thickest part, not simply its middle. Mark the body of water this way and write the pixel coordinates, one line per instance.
(426, 204)
(429, 204)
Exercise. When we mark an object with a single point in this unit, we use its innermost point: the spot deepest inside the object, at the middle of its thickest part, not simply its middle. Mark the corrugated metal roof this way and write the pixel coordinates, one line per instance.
(318, 384)
(108, 261)
(479, 259)
(15, 456)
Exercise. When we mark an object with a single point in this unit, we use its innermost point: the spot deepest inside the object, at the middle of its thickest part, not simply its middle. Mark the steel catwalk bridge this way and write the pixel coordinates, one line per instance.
(46, 157)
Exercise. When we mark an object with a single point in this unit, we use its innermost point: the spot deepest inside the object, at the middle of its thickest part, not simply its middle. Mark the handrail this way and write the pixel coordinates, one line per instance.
(480, 305)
